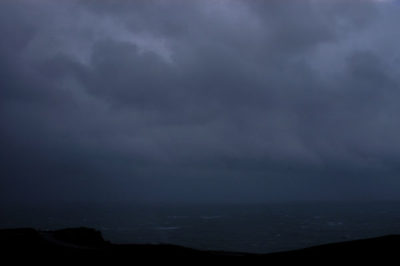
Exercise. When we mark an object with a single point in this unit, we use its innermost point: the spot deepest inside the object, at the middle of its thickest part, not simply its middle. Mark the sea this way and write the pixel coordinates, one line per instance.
(255, 228)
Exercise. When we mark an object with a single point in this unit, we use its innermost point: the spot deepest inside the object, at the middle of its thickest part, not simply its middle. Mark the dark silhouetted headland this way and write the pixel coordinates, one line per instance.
(89, 243)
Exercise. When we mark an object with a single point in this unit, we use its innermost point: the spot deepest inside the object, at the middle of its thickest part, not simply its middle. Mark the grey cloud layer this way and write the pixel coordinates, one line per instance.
(199, 100)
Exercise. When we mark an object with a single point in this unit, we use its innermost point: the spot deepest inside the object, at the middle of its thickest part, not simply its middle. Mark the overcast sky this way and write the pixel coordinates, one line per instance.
(199, 101)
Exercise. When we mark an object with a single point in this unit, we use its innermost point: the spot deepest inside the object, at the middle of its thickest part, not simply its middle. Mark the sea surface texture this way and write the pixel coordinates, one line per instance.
(258, 228)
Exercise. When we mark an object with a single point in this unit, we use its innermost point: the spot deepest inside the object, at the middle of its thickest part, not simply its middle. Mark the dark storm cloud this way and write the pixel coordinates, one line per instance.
(199, 100)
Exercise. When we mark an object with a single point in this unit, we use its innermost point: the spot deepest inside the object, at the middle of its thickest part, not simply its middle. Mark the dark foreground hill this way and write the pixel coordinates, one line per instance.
(85, 242)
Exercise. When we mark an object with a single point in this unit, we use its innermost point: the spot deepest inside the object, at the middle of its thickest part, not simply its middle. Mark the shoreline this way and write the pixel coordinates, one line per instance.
(87, 242)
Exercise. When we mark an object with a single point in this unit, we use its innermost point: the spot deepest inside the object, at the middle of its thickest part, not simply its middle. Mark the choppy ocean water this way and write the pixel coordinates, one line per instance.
(256, 228)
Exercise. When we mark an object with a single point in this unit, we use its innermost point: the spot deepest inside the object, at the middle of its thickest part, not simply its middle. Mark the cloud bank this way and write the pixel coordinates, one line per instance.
(199, 101)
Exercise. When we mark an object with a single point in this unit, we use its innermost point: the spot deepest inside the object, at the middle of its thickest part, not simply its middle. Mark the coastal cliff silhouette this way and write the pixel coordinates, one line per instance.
(89, 243)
